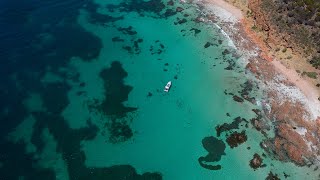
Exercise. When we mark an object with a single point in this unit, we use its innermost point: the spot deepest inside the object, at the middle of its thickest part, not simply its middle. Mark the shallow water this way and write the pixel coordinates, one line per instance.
(85, 91)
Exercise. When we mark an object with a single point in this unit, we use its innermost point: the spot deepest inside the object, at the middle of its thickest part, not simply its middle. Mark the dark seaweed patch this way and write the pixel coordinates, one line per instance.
(97, 18)
(68, 144)
(128, 30)
(80, 93)
(37, 36)
(117, 39)
(119, 129)
(16, 163)
(237, 99)
(82, 84)
(54, 96)
(157, 48)
(136, 45)
(208, 44)
(230, 126)
(116, 92)
(215, 148)
(169, 12)
(128, 49)
(135, 48)
(12, 111)
(286, 175)
(170, 3)
(179, 9)
(272, 176)
(247, 88)
(196, 31)
(180, 21)
(78, 42)
(139, 6)
(225, 52)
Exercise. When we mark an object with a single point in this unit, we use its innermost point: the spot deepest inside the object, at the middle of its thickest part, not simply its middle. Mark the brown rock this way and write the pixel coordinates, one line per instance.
(236, 139)
(256, 162)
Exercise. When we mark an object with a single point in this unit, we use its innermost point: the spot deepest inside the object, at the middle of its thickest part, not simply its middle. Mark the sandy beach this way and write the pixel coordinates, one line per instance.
(293, 77)
(293, 99)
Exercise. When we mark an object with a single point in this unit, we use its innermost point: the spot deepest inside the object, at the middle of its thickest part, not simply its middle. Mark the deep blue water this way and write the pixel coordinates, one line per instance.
(21, 23)
(25, 53)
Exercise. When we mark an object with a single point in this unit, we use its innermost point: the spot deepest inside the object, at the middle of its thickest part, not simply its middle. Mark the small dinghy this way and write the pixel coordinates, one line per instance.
(167, 87)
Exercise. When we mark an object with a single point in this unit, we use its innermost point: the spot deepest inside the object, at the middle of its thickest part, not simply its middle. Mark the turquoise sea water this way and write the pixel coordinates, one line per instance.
(101, 113)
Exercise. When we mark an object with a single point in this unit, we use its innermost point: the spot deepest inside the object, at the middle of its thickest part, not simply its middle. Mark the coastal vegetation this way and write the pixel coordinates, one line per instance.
(299, 19)
(312, 75)
(298, 25)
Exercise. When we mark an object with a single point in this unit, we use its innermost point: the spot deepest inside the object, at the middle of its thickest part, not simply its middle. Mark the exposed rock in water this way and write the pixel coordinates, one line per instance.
(236, 139)
(256, 162)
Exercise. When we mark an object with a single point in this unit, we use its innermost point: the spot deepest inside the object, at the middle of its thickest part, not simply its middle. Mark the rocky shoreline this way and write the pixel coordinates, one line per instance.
(293, 115)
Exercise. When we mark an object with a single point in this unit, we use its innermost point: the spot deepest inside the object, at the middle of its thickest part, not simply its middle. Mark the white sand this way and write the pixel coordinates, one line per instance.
(309, 95)
(234, 11)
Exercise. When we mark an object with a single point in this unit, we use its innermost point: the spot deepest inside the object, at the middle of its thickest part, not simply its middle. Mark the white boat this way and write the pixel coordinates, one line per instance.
(167, 87)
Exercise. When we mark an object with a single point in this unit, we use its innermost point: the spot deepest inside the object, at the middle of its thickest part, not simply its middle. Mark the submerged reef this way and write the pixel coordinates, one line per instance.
(116, 92)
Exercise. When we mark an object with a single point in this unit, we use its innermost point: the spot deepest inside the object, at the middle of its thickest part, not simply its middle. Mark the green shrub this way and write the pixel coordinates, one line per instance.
(312, 75)
(284, 50)
(315, 61)
(254, 27)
